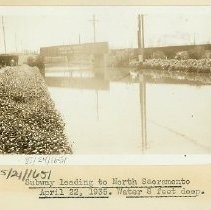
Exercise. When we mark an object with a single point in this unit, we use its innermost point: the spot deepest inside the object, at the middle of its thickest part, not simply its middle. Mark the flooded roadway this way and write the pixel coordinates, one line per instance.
(116, 114)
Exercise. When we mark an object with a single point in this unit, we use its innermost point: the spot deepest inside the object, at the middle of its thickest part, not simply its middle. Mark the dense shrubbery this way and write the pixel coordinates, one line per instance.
(197, 52)
(158, 55)
(201, 65)
(29, 122)
(182, 55)
(207, 54)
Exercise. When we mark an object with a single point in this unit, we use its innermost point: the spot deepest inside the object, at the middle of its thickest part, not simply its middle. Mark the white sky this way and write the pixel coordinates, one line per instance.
(35, 27)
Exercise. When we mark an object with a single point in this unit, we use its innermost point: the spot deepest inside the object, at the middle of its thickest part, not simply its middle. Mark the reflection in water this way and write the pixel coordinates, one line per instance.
(142, 94)
(152, 113)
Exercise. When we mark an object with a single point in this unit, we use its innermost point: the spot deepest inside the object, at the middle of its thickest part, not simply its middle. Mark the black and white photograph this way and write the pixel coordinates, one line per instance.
(119, 80)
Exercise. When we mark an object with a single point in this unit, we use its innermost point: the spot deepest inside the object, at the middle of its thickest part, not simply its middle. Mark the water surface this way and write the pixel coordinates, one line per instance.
(117, 114)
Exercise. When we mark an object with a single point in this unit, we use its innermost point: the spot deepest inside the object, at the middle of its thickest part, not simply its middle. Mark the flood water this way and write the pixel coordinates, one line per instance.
(117, 114)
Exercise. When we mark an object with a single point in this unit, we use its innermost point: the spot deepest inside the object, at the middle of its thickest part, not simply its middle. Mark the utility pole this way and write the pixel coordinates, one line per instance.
(5, 47)
(194, 39)
(79, 39)
(139, 32)
(16, 48)
(141, 37)
(142, 30)
(94, 20)
(21, 46)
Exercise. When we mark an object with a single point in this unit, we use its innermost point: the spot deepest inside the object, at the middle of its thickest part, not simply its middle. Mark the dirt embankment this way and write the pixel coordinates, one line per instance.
(29, 121)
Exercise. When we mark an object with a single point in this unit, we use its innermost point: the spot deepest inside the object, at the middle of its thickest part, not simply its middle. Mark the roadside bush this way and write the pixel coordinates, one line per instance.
(207, 54)
(182, 55)
(158, 55)
(197, 52)
(194, 65)
(29, 121)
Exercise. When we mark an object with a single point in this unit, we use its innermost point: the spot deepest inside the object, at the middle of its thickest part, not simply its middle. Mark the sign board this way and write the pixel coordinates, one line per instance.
(87, 48)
